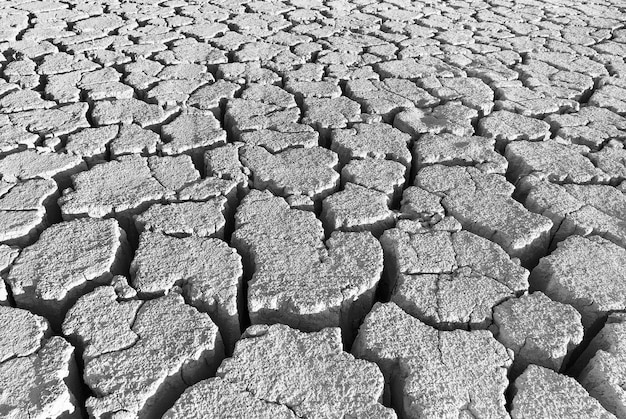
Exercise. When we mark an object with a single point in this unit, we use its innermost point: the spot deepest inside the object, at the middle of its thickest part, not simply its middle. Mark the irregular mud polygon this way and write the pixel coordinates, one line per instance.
(312, 375)
(449, 278)
(538, 330)
(207, 270)
(297, 278)
(449, 374)
(482, 202)
(145, 356)
(603, 374)
(68, 259)
(540, 392)
(38, 372)
(564, 276)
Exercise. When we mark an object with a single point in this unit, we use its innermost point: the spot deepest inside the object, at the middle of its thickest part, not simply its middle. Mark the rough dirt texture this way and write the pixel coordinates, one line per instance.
(312, 209)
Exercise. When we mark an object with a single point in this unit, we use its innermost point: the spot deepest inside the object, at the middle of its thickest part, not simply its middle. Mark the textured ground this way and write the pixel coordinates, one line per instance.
(310, 208)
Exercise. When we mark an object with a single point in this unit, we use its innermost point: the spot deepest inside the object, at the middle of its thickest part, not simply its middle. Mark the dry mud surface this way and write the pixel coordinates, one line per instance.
(312, 209)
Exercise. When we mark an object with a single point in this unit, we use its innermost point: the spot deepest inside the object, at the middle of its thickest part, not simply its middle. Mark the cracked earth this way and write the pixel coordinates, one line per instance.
(312, 209)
